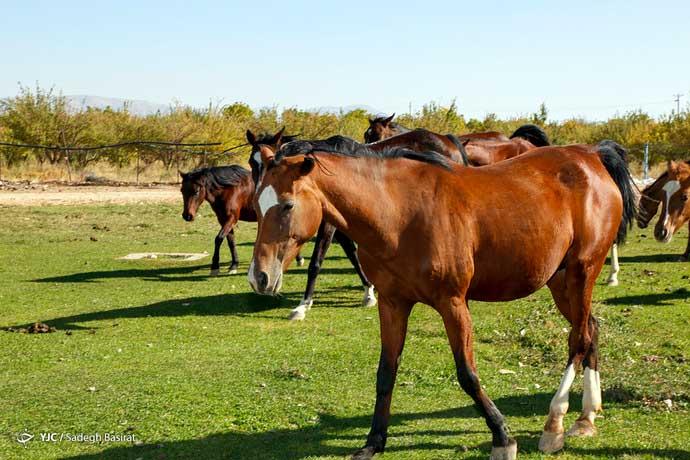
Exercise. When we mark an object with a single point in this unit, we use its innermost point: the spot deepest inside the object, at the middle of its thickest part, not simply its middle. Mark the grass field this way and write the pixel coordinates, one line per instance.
(197, 367)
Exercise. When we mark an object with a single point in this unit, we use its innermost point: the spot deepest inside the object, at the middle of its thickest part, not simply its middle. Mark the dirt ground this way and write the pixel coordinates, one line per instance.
(28, 194)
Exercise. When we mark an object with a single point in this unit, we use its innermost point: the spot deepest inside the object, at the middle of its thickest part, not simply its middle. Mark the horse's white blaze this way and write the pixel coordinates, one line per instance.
(267, 199)
(591, 395)
(670, 188)
(559, 403)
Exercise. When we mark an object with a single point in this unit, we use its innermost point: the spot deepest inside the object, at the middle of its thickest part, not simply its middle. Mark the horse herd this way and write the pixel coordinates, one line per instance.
(442, 220)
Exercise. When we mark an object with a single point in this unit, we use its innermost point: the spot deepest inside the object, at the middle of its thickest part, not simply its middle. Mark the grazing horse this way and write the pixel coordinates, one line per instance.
(445, 243)
(324, 235)
(673, 195)
(229, 190)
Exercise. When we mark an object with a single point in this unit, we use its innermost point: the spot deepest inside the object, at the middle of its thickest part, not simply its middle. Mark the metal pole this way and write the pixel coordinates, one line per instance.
(645, 161)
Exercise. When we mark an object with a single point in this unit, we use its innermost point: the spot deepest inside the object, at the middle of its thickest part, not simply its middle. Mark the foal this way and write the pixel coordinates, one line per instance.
(444, 244)
(229, 190)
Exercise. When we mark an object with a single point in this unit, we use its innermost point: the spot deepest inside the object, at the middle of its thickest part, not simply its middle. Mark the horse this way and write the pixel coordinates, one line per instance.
(229, 190)
(443, 242)
(419, 140)
(381, 128)
(485, 152)
(672, 190)
(324, 235)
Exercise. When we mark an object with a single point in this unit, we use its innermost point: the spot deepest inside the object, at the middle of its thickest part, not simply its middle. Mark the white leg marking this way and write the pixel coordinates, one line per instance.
(553, 438)
(591, 402)
(369, 297)
(267, 199)
(504, 453)
(615, 268)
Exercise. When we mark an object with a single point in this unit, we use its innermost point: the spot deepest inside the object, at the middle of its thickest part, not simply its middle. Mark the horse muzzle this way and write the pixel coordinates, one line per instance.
(266, 282)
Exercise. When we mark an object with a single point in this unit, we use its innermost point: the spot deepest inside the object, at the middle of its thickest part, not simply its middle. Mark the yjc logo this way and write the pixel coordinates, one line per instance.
(24, 438)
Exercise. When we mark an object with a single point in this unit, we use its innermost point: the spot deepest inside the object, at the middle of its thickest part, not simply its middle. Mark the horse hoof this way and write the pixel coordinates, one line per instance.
(300, 261)
(582, 428)
(551, 442)
(612, 282)
(365, 453)
(504, 453)
(369, 297)
(232, 271)
(215, 272)
(296, 315)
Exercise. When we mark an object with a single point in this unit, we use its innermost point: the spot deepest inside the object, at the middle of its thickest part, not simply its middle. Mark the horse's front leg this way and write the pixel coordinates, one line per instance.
(220, 237)
(686, 255)
(458, 323)
(393, 316)
(323, 240)
(351, 251)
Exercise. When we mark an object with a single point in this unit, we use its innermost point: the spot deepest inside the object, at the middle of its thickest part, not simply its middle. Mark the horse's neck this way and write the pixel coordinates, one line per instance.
(359, 199)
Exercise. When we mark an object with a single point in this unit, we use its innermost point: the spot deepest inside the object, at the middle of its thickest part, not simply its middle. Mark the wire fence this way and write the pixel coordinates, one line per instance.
(198, 149)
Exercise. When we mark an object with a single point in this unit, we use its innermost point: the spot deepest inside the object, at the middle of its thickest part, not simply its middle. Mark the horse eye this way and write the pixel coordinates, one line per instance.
(288, 206)
(684, 198)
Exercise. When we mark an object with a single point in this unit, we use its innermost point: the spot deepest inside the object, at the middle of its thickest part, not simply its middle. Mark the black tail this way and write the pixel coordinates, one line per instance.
(532, 133)
(461, 148)
(613, 157)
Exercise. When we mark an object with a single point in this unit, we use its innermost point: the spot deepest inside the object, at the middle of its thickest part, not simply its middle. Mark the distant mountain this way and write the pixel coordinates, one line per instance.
(80, 102)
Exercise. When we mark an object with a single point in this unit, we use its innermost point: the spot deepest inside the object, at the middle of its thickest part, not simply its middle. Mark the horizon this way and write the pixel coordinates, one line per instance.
(575, 60)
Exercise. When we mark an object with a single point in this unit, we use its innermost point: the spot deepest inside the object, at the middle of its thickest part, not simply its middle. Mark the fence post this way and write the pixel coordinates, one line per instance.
(69, 167)
(137, 167)
(645, 161)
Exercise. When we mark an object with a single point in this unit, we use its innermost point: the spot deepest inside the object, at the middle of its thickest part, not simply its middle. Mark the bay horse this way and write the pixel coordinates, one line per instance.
(483, 152)
(324, 234)
(420, 140)
(671, 190)
(229, 190)
(444, 243)
(381, 128)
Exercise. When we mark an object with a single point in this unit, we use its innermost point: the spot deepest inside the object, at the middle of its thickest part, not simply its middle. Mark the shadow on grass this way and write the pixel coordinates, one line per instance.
(177, 273)
(214, 305)
(655, 299)
(341, 436)
(649, 258)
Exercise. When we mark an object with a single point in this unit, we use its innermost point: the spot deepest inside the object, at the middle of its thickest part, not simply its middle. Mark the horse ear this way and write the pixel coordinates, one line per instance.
(182, 175)
(307, 166)
(278, 137)
(371, 122)
(251, 138)
(672, 166)
(389, 119)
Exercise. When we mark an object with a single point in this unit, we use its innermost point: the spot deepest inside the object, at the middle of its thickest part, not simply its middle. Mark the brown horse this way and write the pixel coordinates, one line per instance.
(381, 128)
(229, 190)
(482, 152)
(444, 243)
(324, 234)
(675, 209)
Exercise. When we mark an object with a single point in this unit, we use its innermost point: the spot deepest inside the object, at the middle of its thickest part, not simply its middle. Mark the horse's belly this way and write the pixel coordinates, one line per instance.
(515, 274)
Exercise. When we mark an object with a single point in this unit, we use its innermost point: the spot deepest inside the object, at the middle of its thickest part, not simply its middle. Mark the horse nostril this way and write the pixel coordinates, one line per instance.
(263, 280)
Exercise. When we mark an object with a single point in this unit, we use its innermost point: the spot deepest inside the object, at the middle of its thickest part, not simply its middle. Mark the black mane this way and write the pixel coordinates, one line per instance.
(219, 176)
(267, 139)
(341, 145)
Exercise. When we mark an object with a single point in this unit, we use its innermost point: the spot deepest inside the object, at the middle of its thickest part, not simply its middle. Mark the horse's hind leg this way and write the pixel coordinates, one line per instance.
(233, 252)
(351, 251)
(615, 268)
(591, 393)
(458, 323)
(572, 292)
(323, 241)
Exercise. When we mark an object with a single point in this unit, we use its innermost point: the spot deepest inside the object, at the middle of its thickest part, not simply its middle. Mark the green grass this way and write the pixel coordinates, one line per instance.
(199, 367)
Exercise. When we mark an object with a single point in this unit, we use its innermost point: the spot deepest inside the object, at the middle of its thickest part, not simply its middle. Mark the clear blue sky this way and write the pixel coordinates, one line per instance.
(587, 58)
